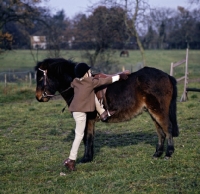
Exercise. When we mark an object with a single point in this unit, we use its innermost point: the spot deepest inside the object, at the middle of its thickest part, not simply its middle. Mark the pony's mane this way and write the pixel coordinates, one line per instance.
(57, 65)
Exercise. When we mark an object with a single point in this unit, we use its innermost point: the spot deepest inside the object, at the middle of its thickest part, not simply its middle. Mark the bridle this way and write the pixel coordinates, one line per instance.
(45, 95)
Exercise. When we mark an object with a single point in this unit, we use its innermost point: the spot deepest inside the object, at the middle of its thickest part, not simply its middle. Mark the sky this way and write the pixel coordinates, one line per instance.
(72, 7)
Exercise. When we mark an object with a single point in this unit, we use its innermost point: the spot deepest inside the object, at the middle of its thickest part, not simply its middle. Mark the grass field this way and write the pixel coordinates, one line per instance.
(22, 59)
(35, 138)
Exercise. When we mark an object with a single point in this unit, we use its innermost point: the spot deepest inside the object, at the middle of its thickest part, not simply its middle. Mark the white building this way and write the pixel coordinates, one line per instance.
(38, 42)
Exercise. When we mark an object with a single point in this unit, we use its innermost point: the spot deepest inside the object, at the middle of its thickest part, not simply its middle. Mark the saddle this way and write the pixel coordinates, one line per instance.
(101, 91)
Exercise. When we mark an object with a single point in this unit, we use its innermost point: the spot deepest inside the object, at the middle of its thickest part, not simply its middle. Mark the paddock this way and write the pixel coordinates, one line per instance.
(34, 144)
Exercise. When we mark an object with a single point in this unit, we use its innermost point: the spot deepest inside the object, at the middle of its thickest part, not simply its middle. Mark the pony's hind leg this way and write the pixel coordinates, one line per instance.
(164, 131)
(161, 141)
(170, 146)
(167, 129)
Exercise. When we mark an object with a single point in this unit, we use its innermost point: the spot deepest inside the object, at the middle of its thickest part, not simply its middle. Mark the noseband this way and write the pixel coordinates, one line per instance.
(45, 95)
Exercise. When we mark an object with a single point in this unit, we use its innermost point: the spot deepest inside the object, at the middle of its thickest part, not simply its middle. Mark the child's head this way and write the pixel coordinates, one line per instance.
(82, 70)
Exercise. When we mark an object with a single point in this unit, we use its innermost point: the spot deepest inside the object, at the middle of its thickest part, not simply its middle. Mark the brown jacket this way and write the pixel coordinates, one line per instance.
(84, 96)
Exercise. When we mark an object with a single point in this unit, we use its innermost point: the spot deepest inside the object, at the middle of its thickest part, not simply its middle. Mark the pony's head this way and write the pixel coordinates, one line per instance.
(54, 74)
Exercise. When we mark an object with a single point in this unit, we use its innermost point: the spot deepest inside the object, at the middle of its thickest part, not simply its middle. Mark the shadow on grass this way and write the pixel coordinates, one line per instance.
(113, 140)
(124, 139)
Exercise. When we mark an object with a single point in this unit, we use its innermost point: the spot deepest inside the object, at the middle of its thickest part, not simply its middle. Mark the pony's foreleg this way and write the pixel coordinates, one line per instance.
(161, 141)
(88, 142)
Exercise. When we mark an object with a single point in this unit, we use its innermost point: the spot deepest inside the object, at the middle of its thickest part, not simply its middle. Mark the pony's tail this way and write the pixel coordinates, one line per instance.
(172, 108)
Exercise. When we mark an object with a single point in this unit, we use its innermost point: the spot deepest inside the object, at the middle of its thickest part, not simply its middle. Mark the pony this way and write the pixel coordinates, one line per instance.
(124, 53)
(147, 89)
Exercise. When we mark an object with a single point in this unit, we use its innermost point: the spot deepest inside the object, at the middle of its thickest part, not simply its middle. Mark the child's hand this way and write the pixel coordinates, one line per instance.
(123, 76)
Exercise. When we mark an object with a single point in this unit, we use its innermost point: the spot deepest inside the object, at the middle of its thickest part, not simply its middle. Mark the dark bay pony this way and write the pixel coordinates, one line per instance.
(124, 53)
(147, 89)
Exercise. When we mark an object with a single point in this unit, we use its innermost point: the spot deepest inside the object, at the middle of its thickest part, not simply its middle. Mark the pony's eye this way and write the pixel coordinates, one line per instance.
(41, 79)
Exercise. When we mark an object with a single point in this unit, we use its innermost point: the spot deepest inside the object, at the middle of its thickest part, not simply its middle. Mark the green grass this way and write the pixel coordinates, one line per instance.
(16, 92)
(22, 59)
(35, 138)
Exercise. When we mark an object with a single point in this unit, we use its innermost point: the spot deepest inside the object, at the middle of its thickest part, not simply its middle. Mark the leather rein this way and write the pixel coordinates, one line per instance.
(45, 95)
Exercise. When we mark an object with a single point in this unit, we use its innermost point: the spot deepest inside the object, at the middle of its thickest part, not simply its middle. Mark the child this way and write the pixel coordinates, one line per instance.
(83, 102)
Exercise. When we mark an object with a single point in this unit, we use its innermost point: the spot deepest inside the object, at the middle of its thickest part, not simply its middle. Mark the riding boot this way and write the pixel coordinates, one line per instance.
(105, 115)
(70, 164)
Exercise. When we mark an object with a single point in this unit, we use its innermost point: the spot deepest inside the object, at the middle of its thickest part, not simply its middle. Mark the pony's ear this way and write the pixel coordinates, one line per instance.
(42, 65)
(39, 65)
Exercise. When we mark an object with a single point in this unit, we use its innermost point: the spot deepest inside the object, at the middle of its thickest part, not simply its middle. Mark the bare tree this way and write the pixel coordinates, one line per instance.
(134, 18)
(137, 14)
(160, 20)
(56, 33)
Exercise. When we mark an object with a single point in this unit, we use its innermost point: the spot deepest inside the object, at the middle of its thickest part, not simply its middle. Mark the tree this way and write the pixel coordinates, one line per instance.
(149, 38)
(163, 22)
(100, 31)
(6, 41)
(55, 33)
(162, 34)
(137, 8)
(16, 12)
(134, 18)
(182, 32)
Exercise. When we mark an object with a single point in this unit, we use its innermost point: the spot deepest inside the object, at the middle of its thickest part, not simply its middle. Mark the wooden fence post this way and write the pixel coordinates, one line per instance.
(173, 65)
(171, 69)
(184, 95)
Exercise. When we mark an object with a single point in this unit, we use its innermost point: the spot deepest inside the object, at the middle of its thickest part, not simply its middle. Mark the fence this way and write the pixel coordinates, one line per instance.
(12, 76)
(185, 77)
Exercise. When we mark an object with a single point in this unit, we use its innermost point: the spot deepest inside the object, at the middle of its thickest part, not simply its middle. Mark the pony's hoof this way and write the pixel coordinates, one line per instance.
(155, 157)
(167, 157)
(157, 154)
(85, 160)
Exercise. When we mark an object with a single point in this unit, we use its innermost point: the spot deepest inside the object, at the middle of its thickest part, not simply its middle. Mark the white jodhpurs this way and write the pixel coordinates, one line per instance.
(80, 119)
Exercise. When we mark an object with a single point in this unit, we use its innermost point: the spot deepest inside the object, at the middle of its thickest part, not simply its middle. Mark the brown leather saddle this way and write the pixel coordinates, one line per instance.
(101, 91)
